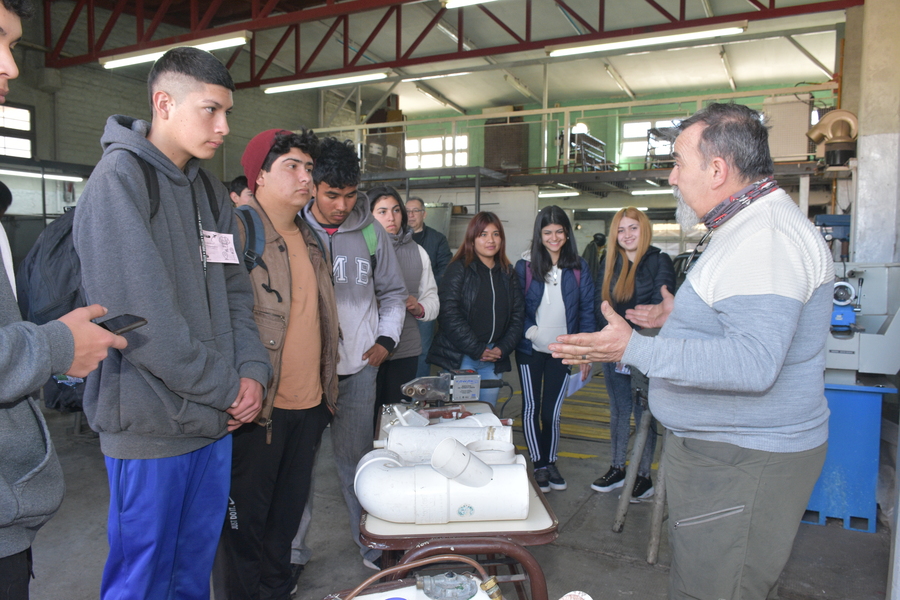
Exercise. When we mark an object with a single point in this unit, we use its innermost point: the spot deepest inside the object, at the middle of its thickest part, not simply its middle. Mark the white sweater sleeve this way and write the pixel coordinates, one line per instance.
(428, 292)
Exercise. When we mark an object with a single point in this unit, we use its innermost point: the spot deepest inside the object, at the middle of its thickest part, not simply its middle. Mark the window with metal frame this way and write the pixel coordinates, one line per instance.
(434, 152)
(17, 135)
(633, 137)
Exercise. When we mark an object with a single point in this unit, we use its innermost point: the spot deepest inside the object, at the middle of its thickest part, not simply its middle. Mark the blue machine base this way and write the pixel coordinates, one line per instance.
(846, 488)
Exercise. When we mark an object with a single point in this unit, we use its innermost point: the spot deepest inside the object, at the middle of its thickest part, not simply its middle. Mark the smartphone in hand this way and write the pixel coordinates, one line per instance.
(123, 323)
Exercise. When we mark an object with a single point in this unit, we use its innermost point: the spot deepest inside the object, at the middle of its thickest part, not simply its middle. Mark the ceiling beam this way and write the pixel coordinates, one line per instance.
(809, 55)
(611, 71)
(341, 12)
(505, 67)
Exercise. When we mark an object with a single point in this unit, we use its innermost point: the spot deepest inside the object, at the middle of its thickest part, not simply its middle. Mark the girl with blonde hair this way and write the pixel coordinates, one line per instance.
(633, 273)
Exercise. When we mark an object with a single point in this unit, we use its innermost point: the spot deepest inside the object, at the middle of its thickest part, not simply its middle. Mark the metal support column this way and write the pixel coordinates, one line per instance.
(478, 192)
(804, 195)
(544, 141)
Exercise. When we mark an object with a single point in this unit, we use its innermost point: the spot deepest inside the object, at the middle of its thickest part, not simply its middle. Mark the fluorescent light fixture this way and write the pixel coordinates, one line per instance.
(659, 192)
(34, 175)
(216, 42)
(459, 3)
(641, 41)
(617, 209)
(326, 82)
(651, 182)
(426, 77)
(560, 194)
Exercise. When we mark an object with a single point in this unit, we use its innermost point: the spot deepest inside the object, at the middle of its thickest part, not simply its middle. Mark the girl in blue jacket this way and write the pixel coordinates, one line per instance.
(559, 299)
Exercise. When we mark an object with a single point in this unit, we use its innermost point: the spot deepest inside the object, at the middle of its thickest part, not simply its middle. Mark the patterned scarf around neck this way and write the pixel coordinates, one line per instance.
(739, 201)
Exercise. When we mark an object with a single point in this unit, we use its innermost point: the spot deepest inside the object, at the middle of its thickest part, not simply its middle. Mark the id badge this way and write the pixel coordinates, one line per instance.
(220, 247)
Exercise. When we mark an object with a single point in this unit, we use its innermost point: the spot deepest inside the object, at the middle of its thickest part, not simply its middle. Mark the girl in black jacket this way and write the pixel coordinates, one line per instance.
(481, 306)
(633, 273)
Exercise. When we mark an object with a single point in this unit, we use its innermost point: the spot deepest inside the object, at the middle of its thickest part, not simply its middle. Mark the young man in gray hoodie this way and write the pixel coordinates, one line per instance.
(31, 480)
(371, 304)
(196, 371)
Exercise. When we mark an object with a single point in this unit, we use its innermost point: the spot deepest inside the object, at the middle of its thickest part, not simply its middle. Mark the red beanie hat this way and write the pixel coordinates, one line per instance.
(255, 155)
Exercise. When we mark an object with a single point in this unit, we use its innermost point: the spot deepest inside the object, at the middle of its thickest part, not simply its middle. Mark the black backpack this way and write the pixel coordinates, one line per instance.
(48, 282)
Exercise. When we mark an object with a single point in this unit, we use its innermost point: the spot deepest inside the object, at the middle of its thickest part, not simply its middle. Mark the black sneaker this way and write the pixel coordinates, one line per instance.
(295, 576)
(643, 489)
(542, 477)
(556, 480)
(614, 478)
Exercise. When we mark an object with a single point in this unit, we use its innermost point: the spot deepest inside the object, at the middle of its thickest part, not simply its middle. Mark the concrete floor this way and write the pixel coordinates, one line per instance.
(827, 563)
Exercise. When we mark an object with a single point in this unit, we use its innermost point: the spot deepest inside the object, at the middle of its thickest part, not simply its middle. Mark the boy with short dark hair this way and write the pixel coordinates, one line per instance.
(371, 305)
(273, 458)
(164, 407)
(240, 191)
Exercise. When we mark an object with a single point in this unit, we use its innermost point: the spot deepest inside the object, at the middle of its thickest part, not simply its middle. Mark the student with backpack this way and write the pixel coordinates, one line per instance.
(295, 310)
(371, 304)
(164, 406)
(559, 299)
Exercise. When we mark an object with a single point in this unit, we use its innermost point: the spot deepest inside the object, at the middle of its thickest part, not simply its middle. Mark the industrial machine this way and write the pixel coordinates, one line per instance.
(865, 328)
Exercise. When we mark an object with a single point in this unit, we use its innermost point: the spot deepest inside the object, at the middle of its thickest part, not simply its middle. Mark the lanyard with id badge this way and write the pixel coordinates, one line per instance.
(215, 247)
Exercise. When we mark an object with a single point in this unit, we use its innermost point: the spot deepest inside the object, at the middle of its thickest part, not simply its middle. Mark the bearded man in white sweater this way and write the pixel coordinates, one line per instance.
(736, 372)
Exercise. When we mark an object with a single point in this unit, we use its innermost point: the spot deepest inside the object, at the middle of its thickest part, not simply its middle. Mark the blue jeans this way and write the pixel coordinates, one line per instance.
(621, 405)
(165, 519)
(426, 332)
(486, 370)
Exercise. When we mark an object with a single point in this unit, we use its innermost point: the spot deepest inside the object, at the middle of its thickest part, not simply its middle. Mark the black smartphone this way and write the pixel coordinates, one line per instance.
(123, 323)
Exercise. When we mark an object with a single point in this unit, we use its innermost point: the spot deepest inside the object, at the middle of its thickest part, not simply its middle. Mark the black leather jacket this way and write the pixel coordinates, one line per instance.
(654, 271)
(455, 338)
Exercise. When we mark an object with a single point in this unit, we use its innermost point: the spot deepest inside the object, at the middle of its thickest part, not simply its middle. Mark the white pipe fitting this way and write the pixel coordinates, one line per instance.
(419, 494)
(417, 444)
(454, 461)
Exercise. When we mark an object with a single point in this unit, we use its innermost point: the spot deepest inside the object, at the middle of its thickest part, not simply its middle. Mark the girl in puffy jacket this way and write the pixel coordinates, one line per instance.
(633, 273)
(481, 305)
(559, 299)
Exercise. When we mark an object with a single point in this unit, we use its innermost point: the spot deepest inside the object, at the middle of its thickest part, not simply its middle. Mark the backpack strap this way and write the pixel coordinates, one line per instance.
(255, 244)
(529, 276)
(371, 241)
(210, 195)
(254, 238)
(152, 182)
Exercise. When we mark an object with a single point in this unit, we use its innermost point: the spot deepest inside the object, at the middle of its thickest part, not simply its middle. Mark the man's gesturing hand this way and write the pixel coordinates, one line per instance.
(652, 315)
(606, 345)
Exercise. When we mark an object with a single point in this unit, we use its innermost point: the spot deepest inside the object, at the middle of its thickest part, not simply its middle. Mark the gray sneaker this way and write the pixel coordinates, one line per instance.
(556, 480)
(542, 477)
